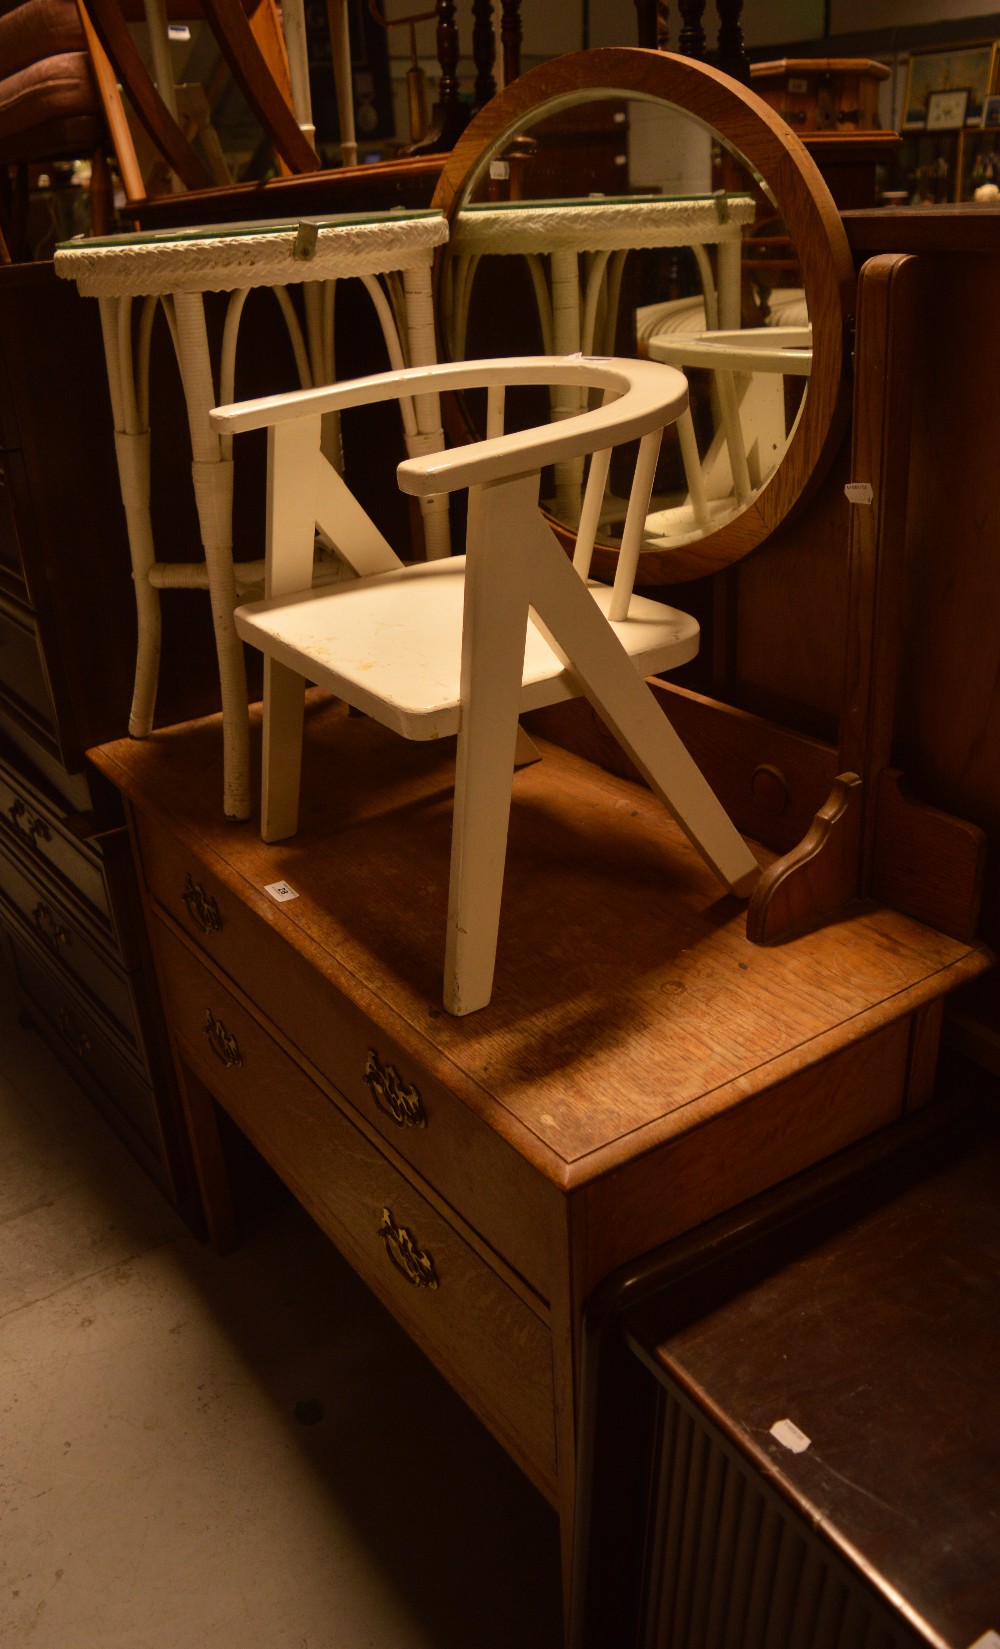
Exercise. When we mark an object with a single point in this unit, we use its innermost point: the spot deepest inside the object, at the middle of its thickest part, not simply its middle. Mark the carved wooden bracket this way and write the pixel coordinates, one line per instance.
(814, 882)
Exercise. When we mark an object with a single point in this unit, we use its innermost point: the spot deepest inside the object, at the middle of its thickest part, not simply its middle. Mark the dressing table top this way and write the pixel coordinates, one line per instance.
(629, 1006)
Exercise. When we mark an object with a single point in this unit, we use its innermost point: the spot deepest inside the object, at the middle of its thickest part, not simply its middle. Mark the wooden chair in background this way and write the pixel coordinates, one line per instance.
(49, 110)
(252, 45)
(465, 645)
(74, 85)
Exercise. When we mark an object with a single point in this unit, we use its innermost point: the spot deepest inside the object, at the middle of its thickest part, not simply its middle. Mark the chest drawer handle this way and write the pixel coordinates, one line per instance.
(416, 1266)
(399, 1101)
(78, 1040)
(202, 908)
(222, 1042)
(30, 828)
(51, 931)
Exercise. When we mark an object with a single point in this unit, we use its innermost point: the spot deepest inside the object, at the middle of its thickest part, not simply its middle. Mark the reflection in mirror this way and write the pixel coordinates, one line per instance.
(620, 224)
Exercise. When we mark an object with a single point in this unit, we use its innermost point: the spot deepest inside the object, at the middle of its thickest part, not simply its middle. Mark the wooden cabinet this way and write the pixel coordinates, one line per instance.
(822, 94)
(792, 1428)
(641, 1067)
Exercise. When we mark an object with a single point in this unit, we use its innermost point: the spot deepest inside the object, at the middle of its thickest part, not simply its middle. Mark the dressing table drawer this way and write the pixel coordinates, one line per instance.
(386, 1084)
(476, 1321)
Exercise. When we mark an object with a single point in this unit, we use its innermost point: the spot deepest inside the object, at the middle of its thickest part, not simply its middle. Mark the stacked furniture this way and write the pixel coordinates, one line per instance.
(617, 1091)
(647, 1061)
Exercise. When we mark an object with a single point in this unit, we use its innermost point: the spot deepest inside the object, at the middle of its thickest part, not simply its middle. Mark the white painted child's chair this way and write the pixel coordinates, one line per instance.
(466, 645)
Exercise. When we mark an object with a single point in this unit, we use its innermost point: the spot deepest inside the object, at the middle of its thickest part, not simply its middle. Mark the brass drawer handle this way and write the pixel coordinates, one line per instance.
(202, 908)
(78, 1040)
(28, 826)
(416, 1266)
(222, 1042)
(399, 1101)
(52, 932)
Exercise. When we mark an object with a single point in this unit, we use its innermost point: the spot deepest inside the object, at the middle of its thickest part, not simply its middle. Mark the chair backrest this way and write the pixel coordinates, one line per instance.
(638, 399)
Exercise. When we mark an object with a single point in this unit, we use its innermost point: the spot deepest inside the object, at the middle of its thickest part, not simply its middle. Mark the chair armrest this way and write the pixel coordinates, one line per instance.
(647, 395)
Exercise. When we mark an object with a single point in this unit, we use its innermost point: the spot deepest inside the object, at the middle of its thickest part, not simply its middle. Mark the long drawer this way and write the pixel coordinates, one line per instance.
(31, 823)
(14, 564)
(78, 1037)
(25, 691)
(479, 1326)
(29, 901)
(473, 1167)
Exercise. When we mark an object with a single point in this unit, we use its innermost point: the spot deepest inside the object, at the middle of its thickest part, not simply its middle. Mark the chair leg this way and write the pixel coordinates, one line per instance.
(284, 701)
(614, 687)
(147, 660)
(495, 606)
(527, 751)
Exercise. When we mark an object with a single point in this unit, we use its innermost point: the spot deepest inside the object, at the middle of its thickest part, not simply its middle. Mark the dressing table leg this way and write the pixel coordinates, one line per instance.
(208, 1161)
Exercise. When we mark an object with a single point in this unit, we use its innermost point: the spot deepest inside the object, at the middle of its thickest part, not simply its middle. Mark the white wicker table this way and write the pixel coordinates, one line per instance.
(575, 251)
(176, 268)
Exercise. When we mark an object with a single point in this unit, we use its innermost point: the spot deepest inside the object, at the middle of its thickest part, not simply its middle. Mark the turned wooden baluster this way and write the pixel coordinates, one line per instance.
(510, 39)
(645, 17)
(484, 50)
(692, 36)
(731, 55)
(653, 23)
(450, 109)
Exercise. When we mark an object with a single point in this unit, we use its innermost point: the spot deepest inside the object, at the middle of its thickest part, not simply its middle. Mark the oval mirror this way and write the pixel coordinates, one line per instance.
(620, 201)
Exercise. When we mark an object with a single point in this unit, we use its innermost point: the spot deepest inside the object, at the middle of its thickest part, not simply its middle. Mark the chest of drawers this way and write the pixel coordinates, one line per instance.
(67, 641)
(641, 1068)
(69, 914)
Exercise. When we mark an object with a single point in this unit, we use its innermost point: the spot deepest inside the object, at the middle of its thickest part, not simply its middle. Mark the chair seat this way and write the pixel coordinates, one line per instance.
(391, 644)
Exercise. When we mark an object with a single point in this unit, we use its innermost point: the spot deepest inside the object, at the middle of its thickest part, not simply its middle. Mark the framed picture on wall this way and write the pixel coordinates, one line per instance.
(972, 69)
(946, 110)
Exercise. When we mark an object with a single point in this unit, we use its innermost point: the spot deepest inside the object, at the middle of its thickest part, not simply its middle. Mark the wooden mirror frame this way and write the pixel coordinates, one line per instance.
(752, 129)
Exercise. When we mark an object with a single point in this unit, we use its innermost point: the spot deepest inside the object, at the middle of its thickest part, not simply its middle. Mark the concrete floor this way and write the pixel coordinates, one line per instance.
(157, 1490)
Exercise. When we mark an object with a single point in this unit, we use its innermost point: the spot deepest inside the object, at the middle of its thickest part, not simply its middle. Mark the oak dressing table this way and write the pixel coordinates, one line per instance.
(641, 1068)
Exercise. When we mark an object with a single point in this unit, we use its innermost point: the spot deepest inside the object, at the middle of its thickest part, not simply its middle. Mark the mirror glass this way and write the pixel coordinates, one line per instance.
(620, 224)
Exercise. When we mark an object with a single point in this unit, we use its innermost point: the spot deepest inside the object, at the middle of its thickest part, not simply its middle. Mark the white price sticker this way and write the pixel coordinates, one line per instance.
(499, 170)
(859, 492)
(788, 1434)
(280, 891)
